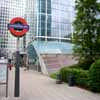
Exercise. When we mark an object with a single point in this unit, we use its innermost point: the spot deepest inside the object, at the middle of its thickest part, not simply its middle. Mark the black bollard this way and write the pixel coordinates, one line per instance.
(58, 79)
(71, 80)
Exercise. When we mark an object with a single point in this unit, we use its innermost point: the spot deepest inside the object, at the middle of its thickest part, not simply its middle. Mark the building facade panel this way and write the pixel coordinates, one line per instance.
(54, 18)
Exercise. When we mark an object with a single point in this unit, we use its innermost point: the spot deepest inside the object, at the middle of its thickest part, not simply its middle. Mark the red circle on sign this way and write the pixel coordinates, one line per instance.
(15, 32)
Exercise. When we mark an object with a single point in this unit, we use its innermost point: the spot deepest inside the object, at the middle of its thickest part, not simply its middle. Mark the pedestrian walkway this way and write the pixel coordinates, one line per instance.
(35, 86)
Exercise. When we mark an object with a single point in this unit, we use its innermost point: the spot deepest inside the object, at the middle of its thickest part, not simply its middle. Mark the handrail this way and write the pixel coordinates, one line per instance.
(42, 64)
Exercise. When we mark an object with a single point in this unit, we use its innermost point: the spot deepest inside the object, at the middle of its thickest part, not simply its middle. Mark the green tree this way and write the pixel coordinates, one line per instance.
(86, 36)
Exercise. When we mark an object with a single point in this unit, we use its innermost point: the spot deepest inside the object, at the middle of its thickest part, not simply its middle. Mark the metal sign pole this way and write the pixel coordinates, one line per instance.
(17, 72)
(7, 83)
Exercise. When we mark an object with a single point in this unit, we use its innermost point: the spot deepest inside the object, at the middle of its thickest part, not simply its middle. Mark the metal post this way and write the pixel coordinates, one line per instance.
(17, 72)
(7, 83)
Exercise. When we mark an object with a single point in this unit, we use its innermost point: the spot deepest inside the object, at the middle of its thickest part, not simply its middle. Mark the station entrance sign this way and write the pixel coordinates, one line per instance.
(18, 27)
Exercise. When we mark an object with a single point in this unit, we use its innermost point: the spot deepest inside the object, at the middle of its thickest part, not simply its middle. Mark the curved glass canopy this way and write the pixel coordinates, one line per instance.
(53, 47)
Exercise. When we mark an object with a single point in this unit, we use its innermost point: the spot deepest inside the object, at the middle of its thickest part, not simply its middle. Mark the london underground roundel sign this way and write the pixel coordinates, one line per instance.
(18, 27)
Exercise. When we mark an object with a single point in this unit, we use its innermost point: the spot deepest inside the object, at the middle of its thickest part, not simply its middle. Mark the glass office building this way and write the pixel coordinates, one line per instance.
(4, 17)
(62, 18)
(50, 18)
(8, 10)
(50, 24)
(16, 9)
(31, 17)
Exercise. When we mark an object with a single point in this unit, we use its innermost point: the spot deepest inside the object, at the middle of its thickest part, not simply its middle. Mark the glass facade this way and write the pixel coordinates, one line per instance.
(31, 17)
(48, 19)
(51, 22)
(44, 23)
(8, 10)
(16, 9)
(4, 17)
(62, 17)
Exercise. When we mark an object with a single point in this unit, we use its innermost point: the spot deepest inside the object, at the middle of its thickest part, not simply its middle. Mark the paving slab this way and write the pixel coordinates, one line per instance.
(36, 86)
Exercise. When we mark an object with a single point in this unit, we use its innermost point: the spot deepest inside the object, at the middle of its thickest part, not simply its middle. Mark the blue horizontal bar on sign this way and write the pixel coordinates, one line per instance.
(18, 26)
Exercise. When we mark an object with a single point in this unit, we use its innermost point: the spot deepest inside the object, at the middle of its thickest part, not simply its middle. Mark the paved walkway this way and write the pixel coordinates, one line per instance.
(35, 86)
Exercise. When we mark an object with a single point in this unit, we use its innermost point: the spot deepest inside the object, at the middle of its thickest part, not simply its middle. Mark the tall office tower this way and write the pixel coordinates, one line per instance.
(62, 18)
(4, 17)
(50, 18)
(55, 18)
(16, 9)
(8, 10)
(38, 14)
(31, 17)
(46, 18)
